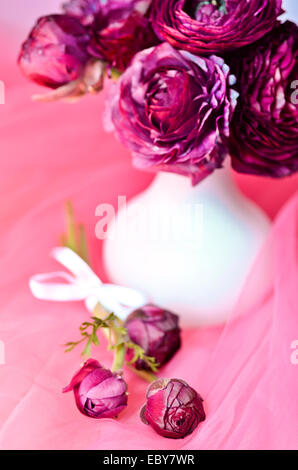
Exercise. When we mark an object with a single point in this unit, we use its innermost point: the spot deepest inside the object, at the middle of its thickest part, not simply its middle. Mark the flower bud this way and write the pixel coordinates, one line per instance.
(173, 409)
(99, 393)
(156, 331)
(55, 52)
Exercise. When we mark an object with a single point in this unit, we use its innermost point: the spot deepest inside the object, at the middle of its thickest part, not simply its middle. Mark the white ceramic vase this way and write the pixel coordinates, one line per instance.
(189, 248)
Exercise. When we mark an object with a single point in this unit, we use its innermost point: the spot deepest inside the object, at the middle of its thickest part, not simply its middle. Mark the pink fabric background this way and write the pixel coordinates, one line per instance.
(50, 153)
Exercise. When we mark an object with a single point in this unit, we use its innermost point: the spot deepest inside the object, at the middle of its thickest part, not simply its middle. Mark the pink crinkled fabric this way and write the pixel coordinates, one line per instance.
(245, 371)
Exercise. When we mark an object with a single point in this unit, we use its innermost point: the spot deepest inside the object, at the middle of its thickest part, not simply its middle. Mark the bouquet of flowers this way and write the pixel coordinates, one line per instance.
(191, 83)
(195, 81)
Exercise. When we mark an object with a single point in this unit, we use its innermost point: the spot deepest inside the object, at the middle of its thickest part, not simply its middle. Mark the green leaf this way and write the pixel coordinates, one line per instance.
(71, 345)
(118, 341)
(87, 350)
(139, 353)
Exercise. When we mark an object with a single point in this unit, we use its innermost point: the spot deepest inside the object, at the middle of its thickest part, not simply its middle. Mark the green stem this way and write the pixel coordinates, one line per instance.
(119, 354)
(83, 244)
(118, 358)
(71, 230)
(100, 313)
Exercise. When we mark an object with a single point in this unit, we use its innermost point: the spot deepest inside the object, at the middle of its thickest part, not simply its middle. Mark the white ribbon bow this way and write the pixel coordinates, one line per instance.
(84, 284)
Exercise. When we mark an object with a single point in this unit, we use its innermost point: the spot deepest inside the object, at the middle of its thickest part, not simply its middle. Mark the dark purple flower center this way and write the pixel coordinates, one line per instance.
(181, 420)
(93, 407)
(165, 95)
(207, 11)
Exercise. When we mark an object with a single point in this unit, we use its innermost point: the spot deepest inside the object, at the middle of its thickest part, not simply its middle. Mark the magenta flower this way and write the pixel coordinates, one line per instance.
(265, 128)
(55, 52)
(173, 409)
(99, 393)
(157, 332)
(121, 32)
(173, 110)
(204, 27)
(120, 28)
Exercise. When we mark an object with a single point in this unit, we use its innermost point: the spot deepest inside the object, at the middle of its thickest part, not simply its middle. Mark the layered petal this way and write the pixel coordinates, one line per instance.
(204, 27)
(173, 110)
(265, 126)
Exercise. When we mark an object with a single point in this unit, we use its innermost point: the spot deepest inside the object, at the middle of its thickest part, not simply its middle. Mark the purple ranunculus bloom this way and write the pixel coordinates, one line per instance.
(157, 331)
(265, 126)
(205, 27)
(55, 52)
(173, 110)
(99, 393)
(173, 409)
(120, 28)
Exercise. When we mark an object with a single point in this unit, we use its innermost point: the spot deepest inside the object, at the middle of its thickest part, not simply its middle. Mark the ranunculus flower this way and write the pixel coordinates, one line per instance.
(157, 331)
(99, 393)
(173, 408)
(55, 52)
(265, 126)
(204, 27)
(173, 110)
(120, 28)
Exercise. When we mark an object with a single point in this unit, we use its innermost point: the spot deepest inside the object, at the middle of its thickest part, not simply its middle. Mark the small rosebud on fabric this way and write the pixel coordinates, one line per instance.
(157, 331)
(173, 409)
(55, 52)
(99, 393)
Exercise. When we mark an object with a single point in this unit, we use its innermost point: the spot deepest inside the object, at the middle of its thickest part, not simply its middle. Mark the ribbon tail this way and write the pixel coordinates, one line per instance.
(65, 292)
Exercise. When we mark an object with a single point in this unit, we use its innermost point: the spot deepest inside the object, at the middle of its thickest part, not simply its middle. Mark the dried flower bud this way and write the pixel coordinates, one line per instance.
(173, 409)
(99, 393)
(55, 52)
(157, 331)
